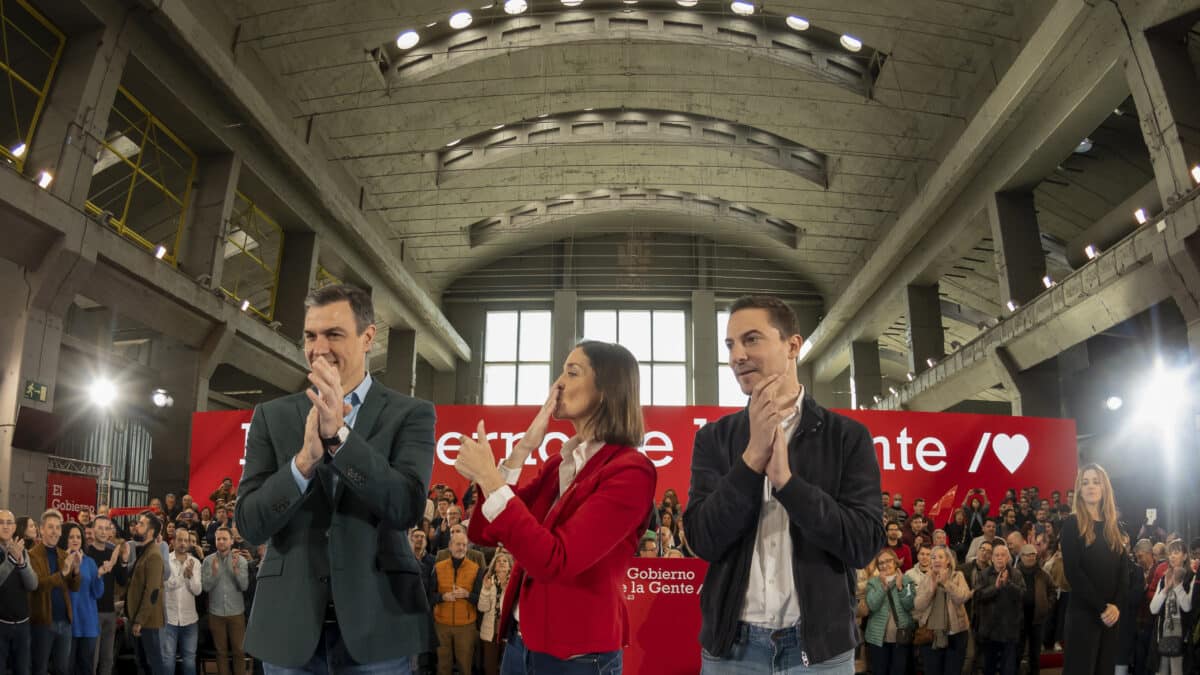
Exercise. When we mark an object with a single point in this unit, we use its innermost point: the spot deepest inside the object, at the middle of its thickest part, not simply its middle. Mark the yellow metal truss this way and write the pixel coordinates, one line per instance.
(253, 251)
(324, 278)
(142, 182)
(24, 31)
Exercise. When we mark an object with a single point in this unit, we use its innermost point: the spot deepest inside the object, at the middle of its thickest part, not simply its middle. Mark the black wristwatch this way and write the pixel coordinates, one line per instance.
(338, 439)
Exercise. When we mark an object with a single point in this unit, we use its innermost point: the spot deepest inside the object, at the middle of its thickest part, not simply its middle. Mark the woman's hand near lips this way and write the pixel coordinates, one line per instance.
(475, 460)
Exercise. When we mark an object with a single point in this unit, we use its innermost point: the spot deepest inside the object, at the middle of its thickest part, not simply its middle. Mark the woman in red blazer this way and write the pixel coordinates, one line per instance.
(574, 529)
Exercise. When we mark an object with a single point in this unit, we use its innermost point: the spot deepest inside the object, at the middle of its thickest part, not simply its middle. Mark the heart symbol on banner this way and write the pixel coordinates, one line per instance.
(1011, 450)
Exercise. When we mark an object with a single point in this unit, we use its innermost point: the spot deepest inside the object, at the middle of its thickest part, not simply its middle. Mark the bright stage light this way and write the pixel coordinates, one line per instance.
(102, 392)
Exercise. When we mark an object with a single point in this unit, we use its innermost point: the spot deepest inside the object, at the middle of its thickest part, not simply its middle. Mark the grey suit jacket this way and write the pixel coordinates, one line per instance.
(344, 540)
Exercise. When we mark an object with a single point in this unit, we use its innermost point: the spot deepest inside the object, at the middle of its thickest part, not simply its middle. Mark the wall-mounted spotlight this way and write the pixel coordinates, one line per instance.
(102, 392)
(161, 398)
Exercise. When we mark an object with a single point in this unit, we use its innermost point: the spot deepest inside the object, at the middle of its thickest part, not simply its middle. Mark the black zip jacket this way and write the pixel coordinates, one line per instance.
(832, 501)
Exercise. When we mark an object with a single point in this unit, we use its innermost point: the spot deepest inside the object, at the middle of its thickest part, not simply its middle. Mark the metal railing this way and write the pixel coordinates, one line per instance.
(253, 250)
(32, 48)
(142, 181)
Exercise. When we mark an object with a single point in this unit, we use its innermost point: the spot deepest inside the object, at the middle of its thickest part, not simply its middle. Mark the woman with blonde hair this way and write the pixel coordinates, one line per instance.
(1092, 561)
(889, 598)
(495, 582)
(939, 607)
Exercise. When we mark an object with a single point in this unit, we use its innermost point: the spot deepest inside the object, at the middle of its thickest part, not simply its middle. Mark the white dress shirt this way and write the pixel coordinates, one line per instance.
(181, 592)
(575, 454)
(771, 599)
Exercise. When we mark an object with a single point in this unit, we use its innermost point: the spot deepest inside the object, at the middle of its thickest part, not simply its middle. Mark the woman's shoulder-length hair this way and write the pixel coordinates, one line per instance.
(618, 416)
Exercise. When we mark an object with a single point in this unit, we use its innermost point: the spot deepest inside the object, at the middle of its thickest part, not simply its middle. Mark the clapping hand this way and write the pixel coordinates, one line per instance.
(16, 549)
(476, 463)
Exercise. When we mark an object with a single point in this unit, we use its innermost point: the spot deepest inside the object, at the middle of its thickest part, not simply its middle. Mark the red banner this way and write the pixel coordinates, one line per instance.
(663, 597)
(70, 493)
(920, 454)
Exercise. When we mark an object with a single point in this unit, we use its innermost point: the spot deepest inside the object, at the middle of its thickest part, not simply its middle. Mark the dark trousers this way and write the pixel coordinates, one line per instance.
(948, 661)
(83, 656)
(1142, 648)
(16, 648)
(889, 658)
(1089, 647)
(1031, 641)
(1000, 658)
(52, 648)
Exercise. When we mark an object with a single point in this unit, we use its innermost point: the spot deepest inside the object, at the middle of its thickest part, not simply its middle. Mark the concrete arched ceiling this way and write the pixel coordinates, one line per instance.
(391, 131)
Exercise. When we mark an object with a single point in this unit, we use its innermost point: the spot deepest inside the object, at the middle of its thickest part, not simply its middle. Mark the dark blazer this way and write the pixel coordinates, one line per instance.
(346, 542)
(571, 553)
(836, 524)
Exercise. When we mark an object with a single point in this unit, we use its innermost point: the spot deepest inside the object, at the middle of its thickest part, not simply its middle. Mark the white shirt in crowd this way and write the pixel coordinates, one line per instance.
(771, 599)
(181, 592)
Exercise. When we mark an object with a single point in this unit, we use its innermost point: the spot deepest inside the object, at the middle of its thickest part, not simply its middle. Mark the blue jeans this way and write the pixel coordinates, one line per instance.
(518, 660)
(52, 648)
(181, 640)
(16, 646)
(150, 652)
(762, 650)
(332, 658)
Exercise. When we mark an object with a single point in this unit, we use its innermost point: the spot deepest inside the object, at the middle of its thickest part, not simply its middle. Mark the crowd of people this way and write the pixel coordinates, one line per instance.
(984, 588)
(162, 585)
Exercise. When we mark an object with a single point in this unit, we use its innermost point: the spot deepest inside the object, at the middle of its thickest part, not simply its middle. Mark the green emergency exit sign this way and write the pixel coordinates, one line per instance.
(35, 391)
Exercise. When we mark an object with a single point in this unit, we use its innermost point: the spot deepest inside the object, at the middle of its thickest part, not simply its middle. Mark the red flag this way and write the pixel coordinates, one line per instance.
(946, 502)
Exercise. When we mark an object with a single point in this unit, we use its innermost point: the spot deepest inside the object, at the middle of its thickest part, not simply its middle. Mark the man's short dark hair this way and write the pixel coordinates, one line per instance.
(891, 523)
(226, 530)
(917, 516)
(781, 315)
(918, 500)
(360, 302)
(155, 523)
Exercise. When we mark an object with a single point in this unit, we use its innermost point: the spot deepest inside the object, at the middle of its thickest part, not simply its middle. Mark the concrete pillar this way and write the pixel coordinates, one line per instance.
(704, 348)
(76, 111)
(423, 385)
(1020, 262)
(15, 309)
(202, 251)
(297, 270)
(866, 376)
(564, 330)
(470, 320)
(1163, 83)
(444, 387)
(401, 373)
(1036, 391)
(925, 337)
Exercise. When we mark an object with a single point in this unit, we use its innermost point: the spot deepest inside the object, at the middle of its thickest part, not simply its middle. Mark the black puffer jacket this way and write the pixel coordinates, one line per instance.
(1001, 610)
(832, 501)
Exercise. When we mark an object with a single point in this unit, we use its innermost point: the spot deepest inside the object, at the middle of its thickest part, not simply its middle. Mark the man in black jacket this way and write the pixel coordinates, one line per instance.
(784, 504)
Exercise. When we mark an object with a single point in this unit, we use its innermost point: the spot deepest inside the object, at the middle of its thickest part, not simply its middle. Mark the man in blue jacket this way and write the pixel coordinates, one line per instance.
(784, 504)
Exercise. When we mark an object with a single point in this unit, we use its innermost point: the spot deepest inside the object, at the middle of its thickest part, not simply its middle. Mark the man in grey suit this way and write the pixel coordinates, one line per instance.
(333, 479)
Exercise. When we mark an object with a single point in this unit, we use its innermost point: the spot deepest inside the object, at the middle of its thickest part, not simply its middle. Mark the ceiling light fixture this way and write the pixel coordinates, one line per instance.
(245, 305)
(1140, 216)
(102, 392)
(460, 20)
(1084, 146)
(851, 43)
(454, 142)
(687, 3)
(878, 399)
(742, 7)
(1195, 172)
(408, 39)
(44, 180)
(1090, 251)
(1114, 403)
(1047, 281)
(160, 252)
(431, 24)
(893, 390)
(572, 3)
(498, 127)
(18, 151)
(930, 362)
(797, 22)
(910, 376)
(515, 6)
(161, 398)
(543, 116)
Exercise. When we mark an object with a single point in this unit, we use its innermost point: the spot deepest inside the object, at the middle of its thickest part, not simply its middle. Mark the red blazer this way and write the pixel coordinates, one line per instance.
(571, 556)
